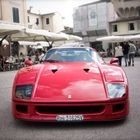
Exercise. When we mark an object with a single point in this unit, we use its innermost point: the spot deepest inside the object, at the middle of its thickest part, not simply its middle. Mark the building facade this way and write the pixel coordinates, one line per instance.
(128, 22)
(12, 12)
(127, 8)
(34, 21)
(92, 21)
(52, 22)
(130, 26)
(16, 13)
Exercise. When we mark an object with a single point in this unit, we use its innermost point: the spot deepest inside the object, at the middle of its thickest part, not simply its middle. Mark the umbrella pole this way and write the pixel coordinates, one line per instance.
(50, 44)
(3, 39)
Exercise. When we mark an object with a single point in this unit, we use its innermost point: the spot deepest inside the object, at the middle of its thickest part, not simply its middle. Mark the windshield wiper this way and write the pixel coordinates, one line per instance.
(51, 60)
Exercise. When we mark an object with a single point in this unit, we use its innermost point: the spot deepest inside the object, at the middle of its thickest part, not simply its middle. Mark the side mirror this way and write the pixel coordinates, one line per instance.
(114, 60)
(28, 63)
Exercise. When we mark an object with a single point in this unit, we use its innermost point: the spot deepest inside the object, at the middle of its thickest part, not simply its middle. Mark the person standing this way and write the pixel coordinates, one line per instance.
(119, 53)
(1, 63)
(125, 52)
(42, 53)
(132, 51)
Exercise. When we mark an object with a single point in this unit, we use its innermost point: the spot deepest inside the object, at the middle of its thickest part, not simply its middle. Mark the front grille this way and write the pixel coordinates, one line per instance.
(118, 107)
(69, 109)
(22, 108)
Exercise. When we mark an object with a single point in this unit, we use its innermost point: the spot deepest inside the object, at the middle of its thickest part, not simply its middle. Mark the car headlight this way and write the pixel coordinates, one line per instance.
(116, 90)
(24, 91)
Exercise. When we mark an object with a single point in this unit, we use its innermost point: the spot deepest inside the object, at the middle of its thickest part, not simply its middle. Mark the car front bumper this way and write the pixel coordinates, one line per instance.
(100, 111)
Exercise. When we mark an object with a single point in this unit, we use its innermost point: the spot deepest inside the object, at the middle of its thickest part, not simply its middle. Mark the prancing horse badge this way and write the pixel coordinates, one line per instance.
(69, 96)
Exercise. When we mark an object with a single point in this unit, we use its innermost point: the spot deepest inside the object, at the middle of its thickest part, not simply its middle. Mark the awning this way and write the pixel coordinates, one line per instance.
(8, 29)
(31, 43)
(71, 37)
(37, 35)
(135, 37)
(119, 38)
(26, 43)
(111, 39)
(20, 33)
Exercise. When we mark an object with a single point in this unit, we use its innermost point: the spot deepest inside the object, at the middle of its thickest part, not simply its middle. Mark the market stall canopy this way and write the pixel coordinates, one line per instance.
(71, 37)
(27, 43)
(8, 29)
(135, 37)
(17, 33)
(37, 35)
(119, 38)
(30, 43)
(111, 39)
(21, 33)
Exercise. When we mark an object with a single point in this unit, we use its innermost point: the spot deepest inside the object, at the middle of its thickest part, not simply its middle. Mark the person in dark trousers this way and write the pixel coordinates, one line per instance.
(125, 52)
(1, 63)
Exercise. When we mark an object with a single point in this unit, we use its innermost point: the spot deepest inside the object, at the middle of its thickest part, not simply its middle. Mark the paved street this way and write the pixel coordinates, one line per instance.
(123, 130)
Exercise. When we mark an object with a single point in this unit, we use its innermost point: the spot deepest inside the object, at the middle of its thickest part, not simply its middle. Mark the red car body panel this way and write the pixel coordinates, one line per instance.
(70, 89)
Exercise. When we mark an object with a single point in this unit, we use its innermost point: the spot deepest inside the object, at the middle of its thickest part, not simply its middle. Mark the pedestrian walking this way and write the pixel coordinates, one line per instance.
(1, 63)
(125, 52)
(132, 51)
(119, 53)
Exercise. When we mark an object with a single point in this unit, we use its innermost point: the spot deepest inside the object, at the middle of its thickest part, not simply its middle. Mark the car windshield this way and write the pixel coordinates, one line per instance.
(68, 55)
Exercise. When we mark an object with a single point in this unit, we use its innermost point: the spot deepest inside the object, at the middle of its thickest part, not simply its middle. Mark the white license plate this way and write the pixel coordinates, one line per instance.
(69, 117)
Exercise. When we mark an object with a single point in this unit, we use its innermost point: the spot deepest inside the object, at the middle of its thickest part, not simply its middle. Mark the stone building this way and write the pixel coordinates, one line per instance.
(92, 21)
(12, 12)
(52, 22)
(128, 22)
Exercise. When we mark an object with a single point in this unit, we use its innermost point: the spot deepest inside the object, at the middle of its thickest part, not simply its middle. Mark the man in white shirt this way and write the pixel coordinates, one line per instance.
(119, 53)
(132, 51)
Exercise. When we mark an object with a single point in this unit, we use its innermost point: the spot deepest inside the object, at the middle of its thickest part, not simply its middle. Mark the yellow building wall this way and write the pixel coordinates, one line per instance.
(6, 10)
(123, 28)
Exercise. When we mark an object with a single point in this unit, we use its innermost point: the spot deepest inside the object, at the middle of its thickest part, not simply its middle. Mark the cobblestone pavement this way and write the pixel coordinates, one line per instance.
(123, 130)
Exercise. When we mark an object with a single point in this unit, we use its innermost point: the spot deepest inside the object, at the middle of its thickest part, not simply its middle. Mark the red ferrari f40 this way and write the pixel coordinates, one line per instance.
(71, 84)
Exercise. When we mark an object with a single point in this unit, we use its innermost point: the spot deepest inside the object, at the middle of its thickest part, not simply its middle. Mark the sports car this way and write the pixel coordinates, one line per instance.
(71, 84)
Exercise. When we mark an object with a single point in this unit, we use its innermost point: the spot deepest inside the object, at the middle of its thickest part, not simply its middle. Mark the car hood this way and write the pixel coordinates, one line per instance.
(62, 82)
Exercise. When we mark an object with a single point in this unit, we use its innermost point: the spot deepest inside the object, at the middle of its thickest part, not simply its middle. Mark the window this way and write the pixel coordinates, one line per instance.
(37, 21)
(15, 15)
(47, 20)
(131, 26)
(115, 28)
(28, 19)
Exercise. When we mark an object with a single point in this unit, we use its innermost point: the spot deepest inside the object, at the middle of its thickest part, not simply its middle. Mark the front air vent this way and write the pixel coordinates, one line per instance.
(86, 69)
(69, 109)
(117, 107)
(54, 70)
(22, 108)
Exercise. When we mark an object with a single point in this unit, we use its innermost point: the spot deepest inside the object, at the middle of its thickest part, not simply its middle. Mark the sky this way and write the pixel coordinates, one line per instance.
(64, 7)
